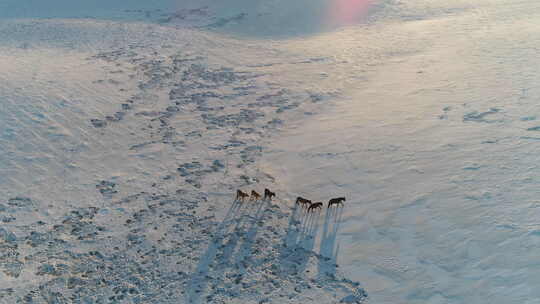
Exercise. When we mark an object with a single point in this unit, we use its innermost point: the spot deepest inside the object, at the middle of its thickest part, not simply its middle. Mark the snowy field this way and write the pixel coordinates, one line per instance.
(126, 128)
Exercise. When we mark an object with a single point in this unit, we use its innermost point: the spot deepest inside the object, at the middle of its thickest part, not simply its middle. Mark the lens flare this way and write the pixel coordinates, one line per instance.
(347, 12)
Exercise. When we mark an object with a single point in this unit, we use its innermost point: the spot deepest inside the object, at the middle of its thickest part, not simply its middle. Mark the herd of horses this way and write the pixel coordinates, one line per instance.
(241, 196)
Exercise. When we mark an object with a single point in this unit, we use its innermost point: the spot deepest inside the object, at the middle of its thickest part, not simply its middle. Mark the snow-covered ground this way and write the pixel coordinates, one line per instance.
(123, 143)
(126, 127)
(436, 150)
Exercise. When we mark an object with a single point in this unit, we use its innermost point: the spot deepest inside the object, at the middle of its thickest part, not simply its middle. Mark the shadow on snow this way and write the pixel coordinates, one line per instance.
(238, 228)
(232, 245)
(329, 248)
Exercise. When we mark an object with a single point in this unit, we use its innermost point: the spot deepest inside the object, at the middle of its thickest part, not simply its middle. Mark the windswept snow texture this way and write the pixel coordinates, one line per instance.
(122, 147)
(436, 151)
(126, 128)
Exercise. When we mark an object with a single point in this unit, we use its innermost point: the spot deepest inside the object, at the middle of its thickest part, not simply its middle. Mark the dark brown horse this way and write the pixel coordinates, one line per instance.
(241, 195)
(314, 206)
(255, 196)
(336, 201)
(303, 202)
(269, 194)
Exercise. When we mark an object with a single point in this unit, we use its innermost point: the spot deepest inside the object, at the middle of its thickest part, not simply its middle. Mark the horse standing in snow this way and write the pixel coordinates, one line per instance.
(268, 194)
(336, 201)
(302, 201)
(241, 196)
(255, 196)
(314, 206)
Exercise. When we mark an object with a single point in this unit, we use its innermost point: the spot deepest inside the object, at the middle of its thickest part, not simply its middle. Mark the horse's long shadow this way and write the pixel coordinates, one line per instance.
(329, 248)
(241, 220)
(198, 282)
(292, 231)
(299, 239)
(251, 229)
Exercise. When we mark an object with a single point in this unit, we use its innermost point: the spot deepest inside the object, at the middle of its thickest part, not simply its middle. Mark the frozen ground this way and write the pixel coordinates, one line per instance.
(122, 146)
(437, 152)
(126, 128)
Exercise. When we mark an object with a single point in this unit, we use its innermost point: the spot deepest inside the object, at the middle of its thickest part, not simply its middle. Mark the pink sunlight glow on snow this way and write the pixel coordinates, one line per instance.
(347, 12)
